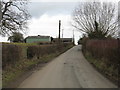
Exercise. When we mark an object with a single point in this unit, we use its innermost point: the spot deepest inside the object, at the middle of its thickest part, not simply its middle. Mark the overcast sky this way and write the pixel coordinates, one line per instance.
(46, 15)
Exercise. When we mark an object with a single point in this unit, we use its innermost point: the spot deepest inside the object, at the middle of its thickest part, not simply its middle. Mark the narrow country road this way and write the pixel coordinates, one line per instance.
(69, 70)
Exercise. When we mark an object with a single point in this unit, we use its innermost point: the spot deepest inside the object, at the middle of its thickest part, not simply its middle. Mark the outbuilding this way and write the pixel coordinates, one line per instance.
(39, 38)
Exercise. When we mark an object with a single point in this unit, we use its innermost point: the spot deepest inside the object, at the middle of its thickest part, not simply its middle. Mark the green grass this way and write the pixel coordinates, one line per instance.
(21, 44)
(16, 70)
(9, 76)
(24, 44)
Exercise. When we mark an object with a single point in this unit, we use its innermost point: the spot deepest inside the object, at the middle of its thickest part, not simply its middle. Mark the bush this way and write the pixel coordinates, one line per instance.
(107, 49)
(38, 51)
(31, 51)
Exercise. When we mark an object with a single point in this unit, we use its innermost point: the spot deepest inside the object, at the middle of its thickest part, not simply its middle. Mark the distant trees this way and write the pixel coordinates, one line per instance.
(14, 16)
(97, 20)
(16, 37)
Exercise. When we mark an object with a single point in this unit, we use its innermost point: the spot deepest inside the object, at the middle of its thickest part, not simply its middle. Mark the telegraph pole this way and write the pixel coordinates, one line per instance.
(73, 36)
(118, 40)
(0, 11)
(59, 30)
(62, 33)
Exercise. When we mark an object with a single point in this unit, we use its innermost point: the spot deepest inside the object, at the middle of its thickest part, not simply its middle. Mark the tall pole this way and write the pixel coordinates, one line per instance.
(59, 30)
(73, 36)
(0, 12)
(62, 33)
(118, 40)
(0, 16)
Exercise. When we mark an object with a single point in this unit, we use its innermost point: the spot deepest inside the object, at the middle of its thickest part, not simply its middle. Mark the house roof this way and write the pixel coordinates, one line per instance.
(66, 38)
(39, 36)
(63, 39)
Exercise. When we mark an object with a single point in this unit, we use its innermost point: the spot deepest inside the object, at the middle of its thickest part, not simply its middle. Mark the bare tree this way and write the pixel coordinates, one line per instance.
(14, 16)
(119, 19)
(96, 19)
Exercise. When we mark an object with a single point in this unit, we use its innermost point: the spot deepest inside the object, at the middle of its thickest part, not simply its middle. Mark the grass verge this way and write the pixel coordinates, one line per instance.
(100, 64)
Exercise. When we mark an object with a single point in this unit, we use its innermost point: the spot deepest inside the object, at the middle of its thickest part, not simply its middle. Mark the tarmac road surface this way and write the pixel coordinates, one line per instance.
(69, 70)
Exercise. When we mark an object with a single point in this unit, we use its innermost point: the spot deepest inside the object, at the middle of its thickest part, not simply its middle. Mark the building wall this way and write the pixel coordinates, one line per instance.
(32, 40)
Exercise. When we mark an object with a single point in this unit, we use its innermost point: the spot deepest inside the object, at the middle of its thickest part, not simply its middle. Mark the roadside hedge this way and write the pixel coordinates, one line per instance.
(39, 51)
(104, 55)
(12, 53)
(107, 49)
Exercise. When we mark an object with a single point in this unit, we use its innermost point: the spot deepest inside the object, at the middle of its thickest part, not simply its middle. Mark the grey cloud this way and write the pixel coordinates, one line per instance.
(37, 9)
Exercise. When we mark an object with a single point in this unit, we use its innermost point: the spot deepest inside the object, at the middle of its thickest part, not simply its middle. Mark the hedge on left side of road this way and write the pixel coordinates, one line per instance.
(17, 58)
